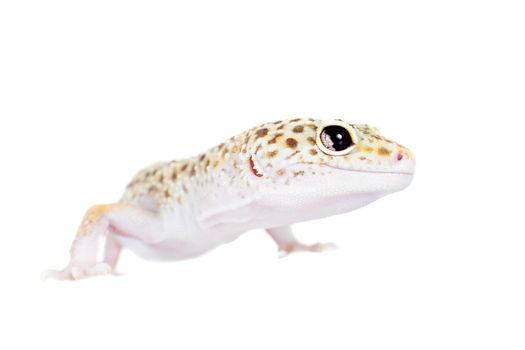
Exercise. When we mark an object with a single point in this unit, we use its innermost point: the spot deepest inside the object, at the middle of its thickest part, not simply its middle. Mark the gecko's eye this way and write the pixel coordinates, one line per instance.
(336, 139)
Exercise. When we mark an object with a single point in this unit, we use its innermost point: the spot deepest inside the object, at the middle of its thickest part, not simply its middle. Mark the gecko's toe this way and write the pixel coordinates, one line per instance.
(281, 253)
(100, 269)
(299, 247)
(95, 270)
(322, 247)
(77, 272)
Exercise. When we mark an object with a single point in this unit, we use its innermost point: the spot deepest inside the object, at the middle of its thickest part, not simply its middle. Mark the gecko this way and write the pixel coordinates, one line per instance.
(268, 177)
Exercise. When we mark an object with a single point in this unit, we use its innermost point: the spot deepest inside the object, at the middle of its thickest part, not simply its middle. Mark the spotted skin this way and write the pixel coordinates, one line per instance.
(267, 177)
(274, 145)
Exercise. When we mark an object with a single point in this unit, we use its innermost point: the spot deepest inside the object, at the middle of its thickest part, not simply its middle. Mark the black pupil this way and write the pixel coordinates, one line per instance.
(340, 137)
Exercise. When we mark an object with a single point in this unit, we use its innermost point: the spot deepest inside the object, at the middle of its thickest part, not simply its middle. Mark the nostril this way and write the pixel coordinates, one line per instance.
(399, 156)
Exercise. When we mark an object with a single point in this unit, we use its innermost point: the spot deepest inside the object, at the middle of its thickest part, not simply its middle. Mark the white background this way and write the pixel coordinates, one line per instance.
(92, 91)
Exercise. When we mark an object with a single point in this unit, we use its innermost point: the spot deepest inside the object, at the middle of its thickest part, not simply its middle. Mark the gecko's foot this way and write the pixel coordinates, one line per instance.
(77, 272)
(299, 247)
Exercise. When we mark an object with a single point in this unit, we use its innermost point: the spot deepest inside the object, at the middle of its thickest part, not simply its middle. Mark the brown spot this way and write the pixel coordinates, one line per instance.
(192, 172)
(161, 178)
(224, 151)
(295, 120)
(280, 172)
(281, 126)
(207, 163)
(184, 167)
(235, 149)
(274, 140)
(278, 122)
(258, 148)
(216, 164)
(291, 142)
(362, 158)
(167, 194)
(298, 129)
(382, 151)
(313, 151)
(311, 140)
(367, 149)
(291, 155)
(298, 173)
(272, 154)
(153, 190)
(174, 176)
(220, 146)
(201, 158)
(262, 132)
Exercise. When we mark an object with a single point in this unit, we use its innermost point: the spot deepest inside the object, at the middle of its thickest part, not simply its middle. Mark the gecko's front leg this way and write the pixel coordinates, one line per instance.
(114, 219)
(112, 250)
(287, 242)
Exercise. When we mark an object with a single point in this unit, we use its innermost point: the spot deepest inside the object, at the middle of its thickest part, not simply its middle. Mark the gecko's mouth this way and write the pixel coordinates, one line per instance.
(368, 171)
(259, 170)
(256, 168)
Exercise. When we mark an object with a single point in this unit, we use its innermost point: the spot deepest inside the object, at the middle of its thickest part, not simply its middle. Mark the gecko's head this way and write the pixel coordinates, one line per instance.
(318, 160)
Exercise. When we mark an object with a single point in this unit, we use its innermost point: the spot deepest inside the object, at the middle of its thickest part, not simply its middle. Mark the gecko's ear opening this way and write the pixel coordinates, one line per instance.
(336, 138)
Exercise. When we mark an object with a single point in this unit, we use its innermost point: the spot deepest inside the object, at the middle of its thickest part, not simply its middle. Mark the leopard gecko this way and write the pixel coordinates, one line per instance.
(268, 177)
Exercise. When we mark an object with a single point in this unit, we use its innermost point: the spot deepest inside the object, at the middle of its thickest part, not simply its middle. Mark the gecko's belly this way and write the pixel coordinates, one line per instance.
(177, 248)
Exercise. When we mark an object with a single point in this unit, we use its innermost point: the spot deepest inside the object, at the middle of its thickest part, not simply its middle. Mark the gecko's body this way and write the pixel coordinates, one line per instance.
(268, 177)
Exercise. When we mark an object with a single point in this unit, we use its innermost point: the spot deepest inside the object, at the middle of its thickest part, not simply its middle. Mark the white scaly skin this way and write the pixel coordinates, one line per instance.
(268, 177)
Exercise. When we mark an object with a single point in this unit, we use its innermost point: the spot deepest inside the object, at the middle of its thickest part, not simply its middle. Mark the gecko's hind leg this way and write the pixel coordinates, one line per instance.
(287, 242)
(115, 218)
